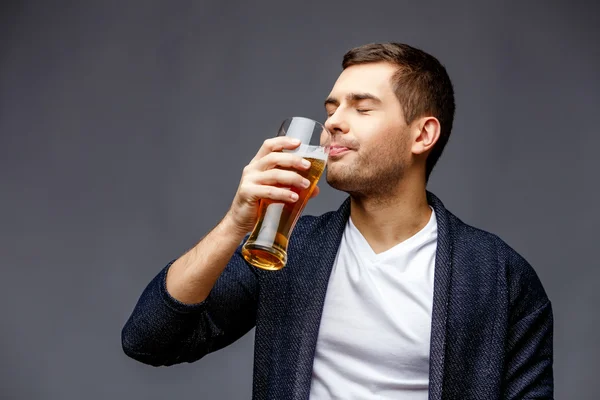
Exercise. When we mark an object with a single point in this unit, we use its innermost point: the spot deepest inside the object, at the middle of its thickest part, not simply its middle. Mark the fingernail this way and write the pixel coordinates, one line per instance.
(305, 183)
(306, 163)
(295, 141)
(294, 196)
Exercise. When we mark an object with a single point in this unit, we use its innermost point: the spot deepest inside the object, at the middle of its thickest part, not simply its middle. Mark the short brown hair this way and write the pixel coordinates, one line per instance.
(421, 84)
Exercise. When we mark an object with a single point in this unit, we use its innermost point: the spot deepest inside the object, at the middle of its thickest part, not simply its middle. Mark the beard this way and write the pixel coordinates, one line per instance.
(376, 173)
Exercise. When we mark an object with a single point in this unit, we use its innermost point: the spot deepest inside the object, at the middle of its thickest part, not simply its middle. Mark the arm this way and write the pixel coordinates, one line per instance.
(529, 345)
(529, 357)
(183, 323)
(207, 298)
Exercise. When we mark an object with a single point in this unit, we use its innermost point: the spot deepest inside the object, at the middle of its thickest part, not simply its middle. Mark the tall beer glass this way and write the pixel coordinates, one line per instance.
(266, 247)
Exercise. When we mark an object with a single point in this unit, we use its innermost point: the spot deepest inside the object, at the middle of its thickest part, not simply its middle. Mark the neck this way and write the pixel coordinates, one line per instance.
(385, 220)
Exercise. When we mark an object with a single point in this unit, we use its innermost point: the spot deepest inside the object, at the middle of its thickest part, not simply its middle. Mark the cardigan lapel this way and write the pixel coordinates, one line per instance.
(322, 249)
(441, 294)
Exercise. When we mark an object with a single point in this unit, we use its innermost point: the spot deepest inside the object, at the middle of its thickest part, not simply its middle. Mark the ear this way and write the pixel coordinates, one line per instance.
(426, 134)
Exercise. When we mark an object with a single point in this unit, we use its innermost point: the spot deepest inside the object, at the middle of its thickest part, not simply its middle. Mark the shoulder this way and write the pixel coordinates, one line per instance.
(324, 225)
(313, 225)
(525, 289)
(311, 222)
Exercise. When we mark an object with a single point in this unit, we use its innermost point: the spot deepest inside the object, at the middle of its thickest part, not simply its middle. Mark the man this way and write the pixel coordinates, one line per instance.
(389, 297)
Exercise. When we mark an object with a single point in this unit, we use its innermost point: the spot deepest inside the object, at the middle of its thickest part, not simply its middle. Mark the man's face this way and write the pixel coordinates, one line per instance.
(370, 139)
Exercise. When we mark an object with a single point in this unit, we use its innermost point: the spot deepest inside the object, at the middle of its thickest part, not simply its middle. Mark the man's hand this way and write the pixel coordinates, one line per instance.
(264, 178)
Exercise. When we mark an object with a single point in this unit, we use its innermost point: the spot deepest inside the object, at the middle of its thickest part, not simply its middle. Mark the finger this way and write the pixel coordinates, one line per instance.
(280, 177)
(276, 144)
(285, 160)
(273, 193)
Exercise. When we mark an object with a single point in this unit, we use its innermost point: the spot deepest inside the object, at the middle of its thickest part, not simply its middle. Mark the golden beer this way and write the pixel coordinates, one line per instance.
(266, 247)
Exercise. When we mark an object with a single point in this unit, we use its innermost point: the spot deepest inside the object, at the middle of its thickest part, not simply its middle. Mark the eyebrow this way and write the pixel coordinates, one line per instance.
(352, 98)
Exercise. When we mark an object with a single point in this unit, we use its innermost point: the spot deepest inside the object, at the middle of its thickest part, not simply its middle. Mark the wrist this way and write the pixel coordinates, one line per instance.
(231, 228)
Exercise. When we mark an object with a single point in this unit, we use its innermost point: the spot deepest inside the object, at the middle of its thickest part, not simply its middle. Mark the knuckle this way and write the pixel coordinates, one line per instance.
(279, 173)
(277, 159)
(287, 176)
(261, 175)
(270, 142)
(246, 177)
(270, 157)
(243, 191)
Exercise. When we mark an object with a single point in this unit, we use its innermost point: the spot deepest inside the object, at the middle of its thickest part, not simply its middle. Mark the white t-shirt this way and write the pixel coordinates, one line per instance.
(375, 331)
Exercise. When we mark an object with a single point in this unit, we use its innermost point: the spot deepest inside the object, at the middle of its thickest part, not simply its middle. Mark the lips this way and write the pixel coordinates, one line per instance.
(337, 150)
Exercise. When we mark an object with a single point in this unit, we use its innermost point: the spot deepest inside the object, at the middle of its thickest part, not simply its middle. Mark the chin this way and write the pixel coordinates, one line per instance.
(339, 181)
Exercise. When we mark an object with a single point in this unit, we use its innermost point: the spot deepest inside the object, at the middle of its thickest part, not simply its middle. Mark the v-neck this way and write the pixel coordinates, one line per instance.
(359, 244)
(325, 252)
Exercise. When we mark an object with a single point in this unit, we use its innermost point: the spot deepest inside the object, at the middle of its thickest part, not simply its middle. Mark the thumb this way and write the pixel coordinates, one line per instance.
(315, 192)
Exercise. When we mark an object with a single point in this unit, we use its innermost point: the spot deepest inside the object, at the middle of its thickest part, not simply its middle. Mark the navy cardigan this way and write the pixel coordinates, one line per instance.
(491, 335)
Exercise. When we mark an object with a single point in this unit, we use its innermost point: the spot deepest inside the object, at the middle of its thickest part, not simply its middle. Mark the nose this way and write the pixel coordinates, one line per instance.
(336, 123)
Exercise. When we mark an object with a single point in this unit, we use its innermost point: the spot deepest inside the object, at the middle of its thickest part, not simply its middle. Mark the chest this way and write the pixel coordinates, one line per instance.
(380, 311)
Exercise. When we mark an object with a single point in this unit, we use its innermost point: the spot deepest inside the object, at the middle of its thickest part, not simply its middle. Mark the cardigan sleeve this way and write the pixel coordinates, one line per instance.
(529, 357)
(163, 331)
(529, 345)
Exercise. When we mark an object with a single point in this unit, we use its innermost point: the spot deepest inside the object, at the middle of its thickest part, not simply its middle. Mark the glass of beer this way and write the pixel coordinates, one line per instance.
(266, 247)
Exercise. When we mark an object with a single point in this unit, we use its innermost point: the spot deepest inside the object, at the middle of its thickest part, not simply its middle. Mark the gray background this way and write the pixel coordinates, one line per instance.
(124, 127)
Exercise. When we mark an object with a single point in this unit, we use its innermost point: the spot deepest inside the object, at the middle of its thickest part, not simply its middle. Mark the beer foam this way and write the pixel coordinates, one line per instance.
(308, 151)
